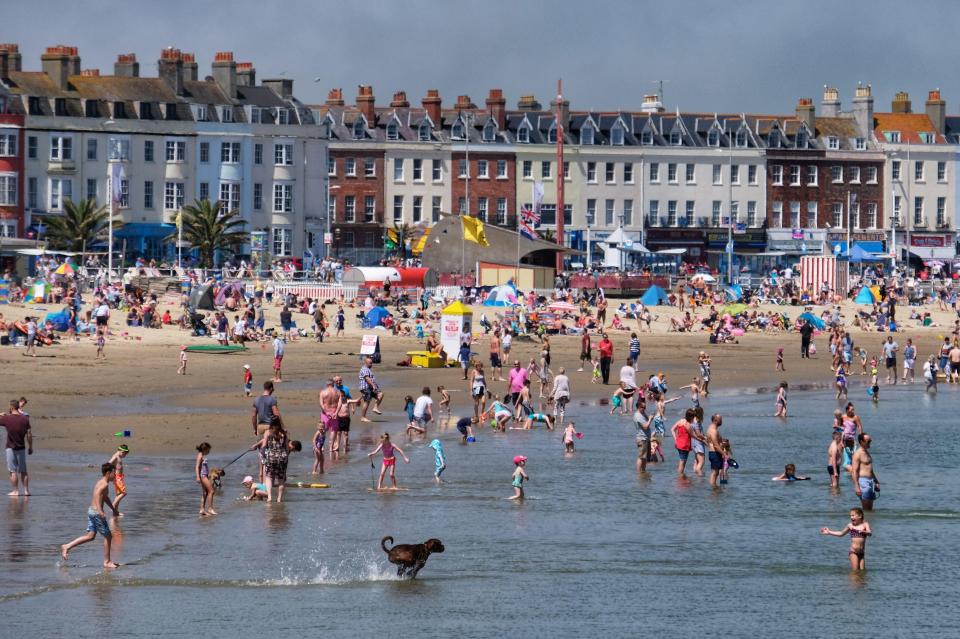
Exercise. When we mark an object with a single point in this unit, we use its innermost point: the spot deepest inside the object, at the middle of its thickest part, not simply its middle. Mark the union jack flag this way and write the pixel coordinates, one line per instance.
(529, 216)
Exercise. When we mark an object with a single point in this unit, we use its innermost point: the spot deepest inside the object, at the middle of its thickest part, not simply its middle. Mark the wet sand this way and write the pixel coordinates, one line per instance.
(77, 403)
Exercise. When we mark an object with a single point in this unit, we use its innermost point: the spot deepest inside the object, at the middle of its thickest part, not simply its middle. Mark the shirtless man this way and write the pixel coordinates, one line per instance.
(954, 364)
(865, 480)
(97, 520)
(329, 398)
(834, 458)
(715, 448)
(496, 366)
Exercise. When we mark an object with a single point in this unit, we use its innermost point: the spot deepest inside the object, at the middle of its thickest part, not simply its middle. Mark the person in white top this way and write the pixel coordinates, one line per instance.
(628, 381)
(422, 411)
(560, 393)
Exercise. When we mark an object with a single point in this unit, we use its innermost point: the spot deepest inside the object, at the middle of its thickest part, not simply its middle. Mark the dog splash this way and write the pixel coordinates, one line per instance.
(359, 567)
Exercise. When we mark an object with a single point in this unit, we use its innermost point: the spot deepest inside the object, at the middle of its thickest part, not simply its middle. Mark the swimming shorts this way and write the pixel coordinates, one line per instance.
(955, 367)
(684, 454)
(97, 523)
(17, 461)
(832, 471)
(716, 460)
(495, 360)
(389, 461)
(343, 424)
(329, 421)
(867, 488)
(891, 362)
(120, 484)
(277, 361)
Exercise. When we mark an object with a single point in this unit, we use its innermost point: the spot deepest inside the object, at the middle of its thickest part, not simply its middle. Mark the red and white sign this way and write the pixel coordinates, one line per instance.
(928, 241)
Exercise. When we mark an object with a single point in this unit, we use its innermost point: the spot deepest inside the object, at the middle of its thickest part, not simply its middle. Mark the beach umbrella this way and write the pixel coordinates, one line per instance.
(818, 323)
(705, 277)
(65, 269)
(936, 263)
(562, 307)
(503, 295)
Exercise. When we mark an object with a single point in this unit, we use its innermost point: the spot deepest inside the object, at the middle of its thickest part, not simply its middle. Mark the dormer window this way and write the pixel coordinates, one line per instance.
(119, 110)
(773, 139)
(91, 108)
(586, 135)
(283, 116)
(892, 136)
(676, 139)
(927, 138)
(713, 138)
(359, 131)
(457, 132)
(646, 138)
(833, 142)
(226, 114)
(423, 133)
(616, 135)
(523, 135)
(552, 134)
(801, 139)
(860, 144)
(393, 131)
(60, 106)
(202, 113)
(741, 140)
(489, 132)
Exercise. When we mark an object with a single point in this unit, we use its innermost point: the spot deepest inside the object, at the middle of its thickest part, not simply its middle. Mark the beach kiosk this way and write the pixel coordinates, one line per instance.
(456, 321)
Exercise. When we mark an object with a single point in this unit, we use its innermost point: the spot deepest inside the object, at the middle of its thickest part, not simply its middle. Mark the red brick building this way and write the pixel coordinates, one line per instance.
(493, 186)
(356, 199)
(11, 171)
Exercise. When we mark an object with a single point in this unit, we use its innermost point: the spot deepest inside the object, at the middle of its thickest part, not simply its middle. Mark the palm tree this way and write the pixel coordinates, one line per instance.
(548, 235)
(208, 230)
(405, 231)
(82, 224)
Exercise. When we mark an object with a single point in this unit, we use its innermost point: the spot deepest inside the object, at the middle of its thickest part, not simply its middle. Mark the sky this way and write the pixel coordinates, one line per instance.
(753, 56)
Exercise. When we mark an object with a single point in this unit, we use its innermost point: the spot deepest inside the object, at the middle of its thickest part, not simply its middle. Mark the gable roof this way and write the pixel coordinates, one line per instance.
(910, 126)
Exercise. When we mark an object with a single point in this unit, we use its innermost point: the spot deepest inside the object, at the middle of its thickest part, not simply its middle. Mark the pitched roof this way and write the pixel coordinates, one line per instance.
(910, 126)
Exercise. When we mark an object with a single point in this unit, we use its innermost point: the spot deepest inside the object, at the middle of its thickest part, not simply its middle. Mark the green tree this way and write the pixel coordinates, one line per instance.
(81, 226)
(548, 235)
(208, 230)
(404, 232)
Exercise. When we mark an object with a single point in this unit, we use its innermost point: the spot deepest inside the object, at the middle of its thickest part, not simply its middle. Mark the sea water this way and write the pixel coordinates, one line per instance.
(593, 550)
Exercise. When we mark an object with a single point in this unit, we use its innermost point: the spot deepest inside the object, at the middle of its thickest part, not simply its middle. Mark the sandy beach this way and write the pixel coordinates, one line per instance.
(78, 404)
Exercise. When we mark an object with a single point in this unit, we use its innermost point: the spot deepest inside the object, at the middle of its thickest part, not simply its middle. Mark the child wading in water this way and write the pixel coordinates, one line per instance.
(781, 400)
(780, 366)
(247, 380)
(444, 399)
(319, 439)
(389, 451)
(202, 473)
(519, 474)
(439, 459)
(119, 485)
(859, 530)
(569, 433)
(101, 342)
(182, 370)
(96, 520)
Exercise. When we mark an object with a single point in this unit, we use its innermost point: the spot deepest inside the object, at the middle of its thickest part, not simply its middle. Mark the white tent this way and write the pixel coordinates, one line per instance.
(616, 245)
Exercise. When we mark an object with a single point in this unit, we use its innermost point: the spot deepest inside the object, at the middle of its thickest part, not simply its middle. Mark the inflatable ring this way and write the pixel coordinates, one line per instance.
(20, 326)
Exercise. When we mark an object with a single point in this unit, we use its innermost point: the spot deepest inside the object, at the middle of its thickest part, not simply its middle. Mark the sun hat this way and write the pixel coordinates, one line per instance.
(518, 459)
(246, 365)
(246, 479)
(123, 448)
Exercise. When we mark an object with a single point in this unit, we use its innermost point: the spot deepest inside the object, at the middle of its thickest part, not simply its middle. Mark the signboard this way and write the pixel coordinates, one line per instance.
(258, 241)
(796, 234)
(370, 345)
(740, 228)
(928, 241)
(328, 238)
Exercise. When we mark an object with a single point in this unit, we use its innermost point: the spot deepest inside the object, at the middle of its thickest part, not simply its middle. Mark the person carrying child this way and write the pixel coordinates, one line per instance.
(96, 519)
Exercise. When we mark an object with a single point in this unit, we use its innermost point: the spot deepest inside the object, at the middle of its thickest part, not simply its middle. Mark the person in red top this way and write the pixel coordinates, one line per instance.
(19, 445)
(682, 436)
(606, 356)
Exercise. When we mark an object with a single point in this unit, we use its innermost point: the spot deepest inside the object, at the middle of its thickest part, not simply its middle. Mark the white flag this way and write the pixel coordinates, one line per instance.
(117, 175)
(537, 196)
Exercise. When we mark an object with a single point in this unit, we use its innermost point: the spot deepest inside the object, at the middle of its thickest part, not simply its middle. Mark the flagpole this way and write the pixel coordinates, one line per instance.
(180, 239)
(110, 222)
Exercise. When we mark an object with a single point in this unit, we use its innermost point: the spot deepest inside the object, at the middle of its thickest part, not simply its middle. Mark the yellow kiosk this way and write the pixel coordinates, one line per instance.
(456, 322)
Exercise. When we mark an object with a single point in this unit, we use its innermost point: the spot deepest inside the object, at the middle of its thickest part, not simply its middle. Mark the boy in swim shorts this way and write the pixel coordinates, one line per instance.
(119, 484)
(96, 519)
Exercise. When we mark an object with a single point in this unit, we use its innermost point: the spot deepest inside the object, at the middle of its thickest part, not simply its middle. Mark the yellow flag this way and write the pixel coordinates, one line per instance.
(473, 230)
(179, 219)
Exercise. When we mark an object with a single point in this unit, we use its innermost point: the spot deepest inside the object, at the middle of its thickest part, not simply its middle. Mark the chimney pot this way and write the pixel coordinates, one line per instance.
(126, 66)
(901, 103)
(170, 69)
(90, 73)
(366, 103)
(335, 97)
(59, 63)
(432, 105)
(937, 110)
(528, 103)
(223, 56)
(224, 71)
(400, 100)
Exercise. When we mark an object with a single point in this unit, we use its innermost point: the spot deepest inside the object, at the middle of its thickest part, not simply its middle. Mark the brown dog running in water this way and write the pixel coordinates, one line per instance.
(410, 558)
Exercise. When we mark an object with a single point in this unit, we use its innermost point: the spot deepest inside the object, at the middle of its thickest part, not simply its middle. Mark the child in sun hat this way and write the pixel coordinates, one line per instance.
(182, 370)
(247, 380)
(257, 490)
(519, 474)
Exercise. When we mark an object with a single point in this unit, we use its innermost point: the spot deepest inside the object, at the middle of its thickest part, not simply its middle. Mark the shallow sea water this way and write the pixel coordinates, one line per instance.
(593, 550)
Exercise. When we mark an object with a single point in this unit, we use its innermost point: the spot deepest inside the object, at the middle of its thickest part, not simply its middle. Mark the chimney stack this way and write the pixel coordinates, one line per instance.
(937, 110)
(399, 100)
(9, 60)
(806, 113)
(246, 74)
(58, 62)
(863, 109)
(170, 69)
(366, 103)
(224, 71)
(464, 102)
(335, 97)
(190, 71)
(281, 86)
(90, 73)
(126, 66)
(831, 102)
(528, 103)
(431, 104)
(497, 106)
(563, 109)
(651, 104)
(901, 103)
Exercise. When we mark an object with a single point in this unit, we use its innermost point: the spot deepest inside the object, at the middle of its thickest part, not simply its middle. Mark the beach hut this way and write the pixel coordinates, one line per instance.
(503, 295)
(375, 317)
(456, 323)
(654, 296)
(865, 296)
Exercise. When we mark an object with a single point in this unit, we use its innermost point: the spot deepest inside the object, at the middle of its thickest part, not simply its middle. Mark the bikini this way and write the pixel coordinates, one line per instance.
(389, 459)
(857, 534)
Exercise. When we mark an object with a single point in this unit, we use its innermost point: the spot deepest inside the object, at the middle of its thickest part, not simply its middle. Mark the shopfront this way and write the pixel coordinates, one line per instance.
(692, 240)
(931, 246)
(795, 243)
(871, 241)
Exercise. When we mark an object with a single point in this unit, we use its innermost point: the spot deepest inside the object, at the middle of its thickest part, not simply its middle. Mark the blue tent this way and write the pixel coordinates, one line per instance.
(60, 321)
(654, 296)
(734, 293)
(818, 323)
(375, 317)
(858, 254)
(865, 296)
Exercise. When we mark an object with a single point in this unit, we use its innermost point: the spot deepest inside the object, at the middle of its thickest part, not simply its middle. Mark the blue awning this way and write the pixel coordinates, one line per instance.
(144, 230)
(868, 246)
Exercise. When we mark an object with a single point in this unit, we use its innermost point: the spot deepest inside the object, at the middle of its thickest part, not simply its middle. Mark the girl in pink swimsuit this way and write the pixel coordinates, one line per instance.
(389, 451)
